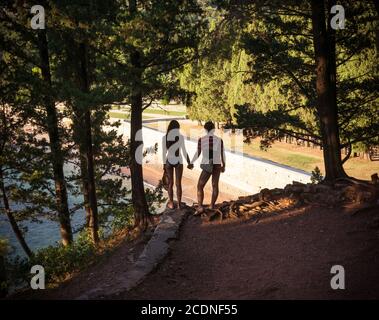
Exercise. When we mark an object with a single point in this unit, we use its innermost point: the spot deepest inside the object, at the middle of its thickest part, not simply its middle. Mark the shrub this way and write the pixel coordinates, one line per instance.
(60, 261)
(316, 177)
(154, 198)
(165, 100)
(121, 218)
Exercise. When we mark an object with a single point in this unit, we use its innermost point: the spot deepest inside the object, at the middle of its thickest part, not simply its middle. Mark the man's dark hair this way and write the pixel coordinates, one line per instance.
(209, 125)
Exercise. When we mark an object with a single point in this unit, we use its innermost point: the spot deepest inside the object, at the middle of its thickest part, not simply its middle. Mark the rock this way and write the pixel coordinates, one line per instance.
(322, 188)
(255, 204)
(309, 187)
(265, 194)
(290, 188)
(296, 183)
(242, 208)
(360, 193)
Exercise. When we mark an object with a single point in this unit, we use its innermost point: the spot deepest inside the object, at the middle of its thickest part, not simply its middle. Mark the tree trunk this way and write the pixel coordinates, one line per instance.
(87, 208)
(55, 145)
(86, 151)
(93, 218)
(141, 209)
(12, 220)
(326, 93)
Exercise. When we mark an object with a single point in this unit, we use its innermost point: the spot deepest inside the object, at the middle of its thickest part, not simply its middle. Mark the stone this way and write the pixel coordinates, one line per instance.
(322, 188)
(154, 252)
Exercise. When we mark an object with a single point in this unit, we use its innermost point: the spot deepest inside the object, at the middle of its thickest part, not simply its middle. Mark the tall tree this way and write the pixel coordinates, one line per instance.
(136, 103)
(155, 38)
(57, 159)
(9, 129)
(83, 133)
(287, 42)
(15, 21)
(324, 48)
(85, 70)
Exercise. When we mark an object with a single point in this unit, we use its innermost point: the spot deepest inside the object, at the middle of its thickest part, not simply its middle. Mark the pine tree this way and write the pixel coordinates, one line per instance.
(35, 55)
(10, 129)
(155, 38)
(284, 49)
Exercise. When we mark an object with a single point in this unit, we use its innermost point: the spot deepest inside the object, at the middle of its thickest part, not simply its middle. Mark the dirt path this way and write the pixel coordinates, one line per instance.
(285, 256)
(288, 256)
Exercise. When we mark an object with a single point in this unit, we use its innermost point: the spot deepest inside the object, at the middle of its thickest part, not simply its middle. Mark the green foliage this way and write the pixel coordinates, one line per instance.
(261, 59)
(316, 177)
(165, 100)
(25, 158)
(58, 261)
(155, 198)
(88, 53)
(121, 219)
(282, 55)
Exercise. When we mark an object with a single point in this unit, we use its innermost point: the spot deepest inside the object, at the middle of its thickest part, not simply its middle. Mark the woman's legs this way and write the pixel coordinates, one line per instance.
(215, 179)
(178, 183)
(203, 179)
(170, 191)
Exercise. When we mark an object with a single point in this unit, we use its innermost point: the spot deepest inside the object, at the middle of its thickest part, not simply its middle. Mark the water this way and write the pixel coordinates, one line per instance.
(46, 233)
(39, 235)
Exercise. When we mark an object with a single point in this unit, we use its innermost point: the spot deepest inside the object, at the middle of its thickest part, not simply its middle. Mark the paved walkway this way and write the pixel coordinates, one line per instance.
(153, 173)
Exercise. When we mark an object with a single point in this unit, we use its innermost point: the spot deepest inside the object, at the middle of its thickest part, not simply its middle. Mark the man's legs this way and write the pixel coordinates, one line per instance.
(215, 179)
(203, 179)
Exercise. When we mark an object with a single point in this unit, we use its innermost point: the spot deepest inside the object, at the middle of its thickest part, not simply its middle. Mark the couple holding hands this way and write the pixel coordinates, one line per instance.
(212, 164)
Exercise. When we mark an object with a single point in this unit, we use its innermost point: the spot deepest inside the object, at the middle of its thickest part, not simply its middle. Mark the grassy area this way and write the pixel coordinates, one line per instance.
(118, 115)
(165, 112)
(121, 115)
(307, 159)
(284, 155)
(148, 113)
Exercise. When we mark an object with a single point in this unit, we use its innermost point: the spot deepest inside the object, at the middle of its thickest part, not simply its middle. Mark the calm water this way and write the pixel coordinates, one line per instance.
(43, 234)
(39, 235)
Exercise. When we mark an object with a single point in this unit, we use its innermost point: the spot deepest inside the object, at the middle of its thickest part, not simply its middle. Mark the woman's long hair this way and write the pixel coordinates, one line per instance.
(171, 126)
